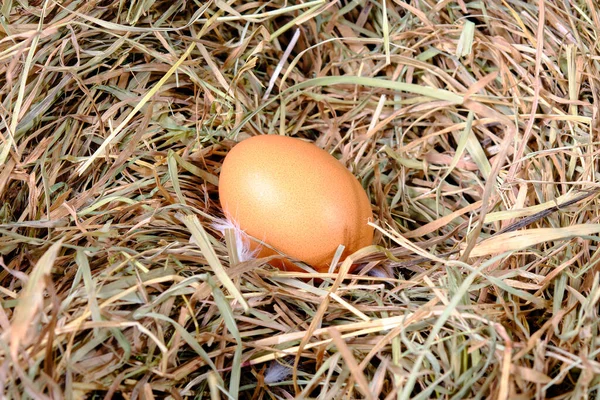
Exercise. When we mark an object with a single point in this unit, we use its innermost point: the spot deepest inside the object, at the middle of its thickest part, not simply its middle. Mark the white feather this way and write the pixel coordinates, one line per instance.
(242, 241)
(277, 372)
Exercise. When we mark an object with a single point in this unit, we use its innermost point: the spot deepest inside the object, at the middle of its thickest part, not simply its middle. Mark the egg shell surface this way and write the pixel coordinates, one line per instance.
(295, 197)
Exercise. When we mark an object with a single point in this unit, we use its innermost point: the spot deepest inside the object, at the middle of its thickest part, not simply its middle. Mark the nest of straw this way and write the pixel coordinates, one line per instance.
(472, 126)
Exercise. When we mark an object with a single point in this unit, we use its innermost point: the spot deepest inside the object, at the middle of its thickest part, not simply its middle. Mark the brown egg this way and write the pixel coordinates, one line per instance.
(295, 197)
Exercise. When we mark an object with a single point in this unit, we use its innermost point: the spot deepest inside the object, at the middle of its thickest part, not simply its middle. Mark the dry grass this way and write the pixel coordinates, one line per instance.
(473, 127)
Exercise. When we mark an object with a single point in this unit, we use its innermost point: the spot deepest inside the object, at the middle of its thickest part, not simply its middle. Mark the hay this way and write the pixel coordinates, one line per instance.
(473, 127)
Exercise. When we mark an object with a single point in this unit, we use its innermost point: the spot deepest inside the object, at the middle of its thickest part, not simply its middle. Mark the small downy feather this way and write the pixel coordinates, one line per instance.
(242, 242)
(277, 372)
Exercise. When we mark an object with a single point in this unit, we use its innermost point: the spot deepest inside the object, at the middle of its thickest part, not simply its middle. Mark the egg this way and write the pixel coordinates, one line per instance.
(296, 198)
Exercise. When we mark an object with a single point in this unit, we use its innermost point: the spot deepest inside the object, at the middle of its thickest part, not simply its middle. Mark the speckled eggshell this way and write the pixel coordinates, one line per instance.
(295, 197)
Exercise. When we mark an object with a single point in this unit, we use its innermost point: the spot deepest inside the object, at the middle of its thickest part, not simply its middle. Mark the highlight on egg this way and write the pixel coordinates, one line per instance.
(295, 198)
